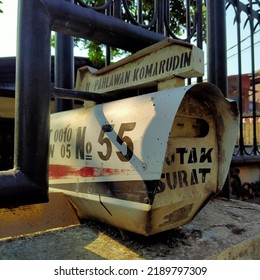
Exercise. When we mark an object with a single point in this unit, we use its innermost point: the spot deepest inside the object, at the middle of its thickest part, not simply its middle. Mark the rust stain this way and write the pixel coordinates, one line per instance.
(177, 215)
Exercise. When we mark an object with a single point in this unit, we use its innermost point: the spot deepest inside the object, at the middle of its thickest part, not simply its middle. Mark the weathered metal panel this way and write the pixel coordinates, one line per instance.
(146, 163)
(157, 63)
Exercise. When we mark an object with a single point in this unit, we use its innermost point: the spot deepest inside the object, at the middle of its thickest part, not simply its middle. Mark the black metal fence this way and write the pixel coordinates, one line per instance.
(244, 87)
(27, 182)
(160, 19)
(182, 21)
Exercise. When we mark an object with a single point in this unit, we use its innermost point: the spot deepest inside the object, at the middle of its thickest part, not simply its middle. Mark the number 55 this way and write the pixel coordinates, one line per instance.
(121, 139)
(127, 140)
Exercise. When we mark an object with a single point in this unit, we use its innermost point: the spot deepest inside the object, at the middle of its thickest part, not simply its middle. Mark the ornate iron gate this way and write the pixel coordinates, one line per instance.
(246, 84)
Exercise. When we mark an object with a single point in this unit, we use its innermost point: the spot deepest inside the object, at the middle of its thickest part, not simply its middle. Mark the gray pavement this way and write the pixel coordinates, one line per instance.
(222, 230)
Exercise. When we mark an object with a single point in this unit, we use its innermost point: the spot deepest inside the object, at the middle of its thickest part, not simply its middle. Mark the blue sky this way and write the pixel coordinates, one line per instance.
(8, 22)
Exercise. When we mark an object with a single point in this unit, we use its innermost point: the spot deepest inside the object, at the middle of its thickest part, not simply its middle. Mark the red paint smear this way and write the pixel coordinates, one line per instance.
(61, 171)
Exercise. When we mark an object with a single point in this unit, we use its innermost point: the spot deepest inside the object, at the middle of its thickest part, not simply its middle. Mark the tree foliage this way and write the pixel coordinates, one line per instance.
(0, 8)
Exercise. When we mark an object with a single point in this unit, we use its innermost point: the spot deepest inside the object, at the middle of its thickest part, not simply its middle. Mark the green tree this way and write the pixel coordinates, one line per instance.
(0, 8)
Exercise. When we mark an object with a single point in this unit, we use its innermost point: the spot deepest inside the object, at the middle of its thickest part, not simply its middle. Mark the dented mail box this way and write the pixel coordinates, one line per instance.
(147, 163)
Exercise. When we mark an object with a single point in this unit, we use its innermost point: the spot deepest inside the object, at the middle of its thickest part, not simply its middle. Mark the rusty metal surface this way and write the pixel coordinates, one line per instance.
(222, 230)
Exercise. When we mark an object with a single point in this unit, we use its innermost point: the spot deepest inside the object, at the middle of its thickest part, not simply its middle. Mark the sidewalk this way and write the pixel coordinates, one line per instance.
(222, 230)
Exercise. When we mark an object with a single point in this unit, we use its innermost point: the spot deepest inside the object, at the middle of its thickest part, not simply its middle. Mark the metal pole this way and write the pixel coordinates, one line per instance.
(73, 20)
(217, 54)
(216, 44)
(32, 90)
(199, 30)
(159, 26)
(64, 67)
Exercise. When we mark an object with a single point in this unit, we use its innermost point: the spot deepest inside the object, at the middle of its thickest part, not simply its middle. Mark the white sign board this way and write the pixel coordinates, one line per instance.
(159, 62)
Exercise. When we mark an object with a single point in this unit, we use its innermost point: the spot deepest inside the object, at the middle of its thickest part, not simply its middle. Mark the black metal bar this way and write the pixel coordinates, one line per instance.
(188, 27)
(108, 49)
(117, 9)
(245, 160)
(251, 24)
(166, 16)
(216, 44)
(140, 11)
(199, 29)
(69, 94)
(64, 67)
(216, 53)
(27, 182)
(188, 21)
(160, 19)
(73, 20)
(240, 87)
